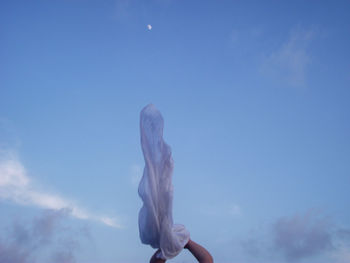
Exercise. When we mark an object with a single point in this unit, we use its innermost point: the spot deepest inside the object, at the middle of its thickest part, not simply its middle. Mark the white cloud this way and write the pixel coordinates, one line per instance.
(16, 186)
(288, 63)
(12, 173)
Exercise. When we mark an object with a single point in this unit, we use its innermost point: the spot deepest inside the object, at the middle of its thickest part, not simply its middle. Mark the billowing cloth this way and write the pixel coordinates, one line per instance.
(156, 190)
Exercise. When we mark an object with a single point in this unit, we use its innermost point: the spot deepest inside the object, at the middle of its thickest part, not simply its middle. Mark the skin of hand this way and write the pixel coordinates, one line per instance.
(199, 252)
(154, 259)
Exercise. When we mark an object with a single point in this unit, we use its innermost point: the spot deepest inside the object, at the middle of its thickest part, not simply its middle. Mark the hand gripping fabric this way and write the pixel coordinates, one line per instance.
(156, 190)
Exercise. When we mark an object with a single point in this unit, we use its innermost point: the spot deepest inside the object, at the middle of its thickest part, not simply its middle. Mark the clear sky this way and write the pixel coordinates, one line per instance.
(255, 97)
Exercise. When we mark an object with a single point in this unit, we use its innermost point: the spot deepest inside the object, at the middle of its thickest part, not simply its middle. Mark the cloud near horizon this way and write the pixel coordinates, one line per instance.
(17, 187)
(299, 237)
(42, 238)
(302, 235)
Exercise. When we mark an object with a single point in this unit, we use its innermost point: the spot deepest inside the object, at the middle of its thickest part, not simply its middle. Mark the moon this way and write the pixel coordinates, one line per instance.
(149, 27)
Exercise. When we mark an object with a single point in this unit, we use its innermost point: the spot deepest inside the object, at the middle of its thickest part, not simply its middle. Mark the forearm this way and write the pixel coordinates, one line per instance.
(199, 252)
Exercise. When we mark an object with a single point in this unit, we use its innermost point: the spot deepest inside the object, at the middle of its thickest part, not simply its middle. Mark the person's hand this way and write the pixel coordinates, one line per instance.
(199, 252)
(155, 259)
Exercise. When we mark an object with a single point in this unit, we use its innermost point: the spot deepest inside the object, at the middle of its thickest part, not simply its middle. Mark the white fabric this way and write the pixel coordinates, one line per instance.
(156, 190)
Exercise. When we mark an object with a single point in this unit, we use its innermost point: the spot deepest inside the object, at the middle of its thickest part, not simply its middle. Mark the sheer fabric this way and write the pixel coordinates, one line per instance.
(156, 190)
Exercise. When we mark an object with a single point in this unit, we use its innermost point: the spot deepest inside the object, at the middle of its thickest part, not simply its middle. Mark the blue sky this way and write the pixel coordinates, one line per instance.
(255, 97)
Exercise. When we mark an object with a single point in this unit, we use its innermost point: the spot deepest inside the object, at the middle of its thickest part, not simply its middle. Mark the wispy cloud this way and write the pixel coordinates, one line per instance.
(299, 237)
(342, 243)
(342, 254)
(288, 63)
(26, 242)
(302, 236)
(16, 186)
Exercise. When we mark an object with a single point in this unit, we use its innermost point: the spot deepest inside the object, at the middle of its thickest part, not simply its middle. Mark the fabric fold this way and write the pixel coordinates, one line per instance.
(156, 225)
